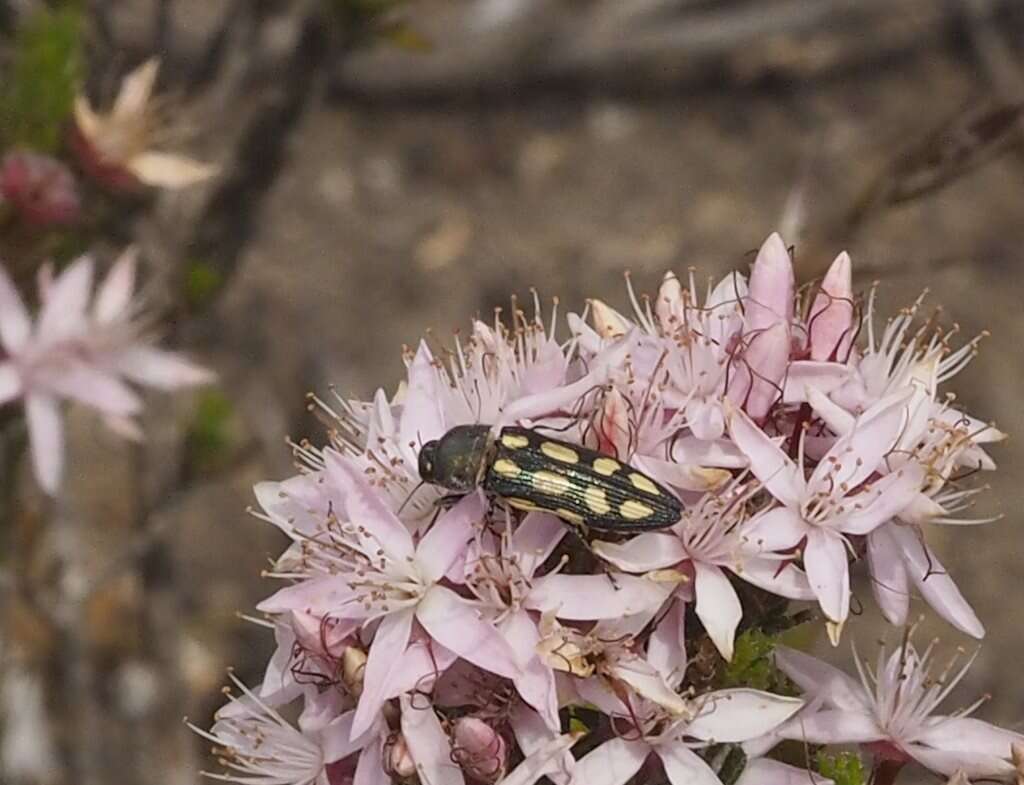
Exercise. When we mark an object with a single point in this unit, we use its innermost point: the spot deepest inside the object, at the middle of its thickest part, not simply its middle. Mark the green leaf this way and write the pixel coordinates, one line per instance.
(844, 768)
(210, 433)
(202, 282)
(37, 93)
(752, 665)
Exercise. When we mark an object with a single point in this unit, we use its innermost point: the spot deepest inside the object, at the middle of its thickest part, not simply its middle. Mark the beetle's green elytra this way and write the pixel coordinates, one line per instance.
(534, 472)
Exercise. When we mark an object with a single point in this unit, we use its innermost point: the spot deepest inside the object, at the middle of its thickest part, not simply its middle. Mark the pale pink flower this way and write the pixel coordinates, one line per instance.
(838, 499)
(375, 572)
(117, 147)
(891, 711)
(501, 573)
(39, 188)
(88, 355)
(708, 540)
(258, 746)
(897, 551)
(646, 730)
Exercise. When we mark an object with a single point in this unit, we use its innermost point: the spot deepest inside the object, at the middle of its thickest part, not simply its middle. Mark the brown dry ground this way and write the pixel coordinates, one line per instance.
(392, 213)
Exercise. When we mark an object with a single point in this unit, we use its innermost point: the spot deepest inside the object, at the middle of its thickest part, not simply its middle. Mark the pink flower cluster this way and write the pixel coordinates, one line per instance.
(86, 352)
(475, 644)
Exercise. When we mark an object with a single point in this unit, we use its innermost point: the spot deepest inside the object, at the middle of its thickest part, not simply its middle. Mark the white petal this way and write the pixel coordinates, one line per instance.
(63, 313)
(833, 726)
(828, 573)
(115, 294)
(10, 382)
(429, 745)
(834, 415)
(383, 663)
(768, 462)
(643, 553)
(776, 530)
(818, 678)
(888, 576)
(448, 537)
(370, 766)
(584, 597)
(976, 765)
(169, 170)
(765, 771)
(136, 90)
(804, 377)
(550, 759)
(152, 367)
(935, 584)
(456, 624)
(858, 453)
(613, 763)
(666, 649)
(15, 323)
(535, 538)
(684, 767)
(965, 734)
(94, 387)
(718, 607)
(741, 714)
(46, 433)
(885, 499)
(775, 576)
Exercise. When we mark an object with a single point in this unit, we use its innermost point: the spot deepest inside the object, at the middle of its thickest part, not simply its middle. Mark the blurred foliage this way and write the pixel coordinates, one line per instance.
(377, 20)
(843, 769)
(752, 665)
(210, 433)
(45, 69)
(202, 282)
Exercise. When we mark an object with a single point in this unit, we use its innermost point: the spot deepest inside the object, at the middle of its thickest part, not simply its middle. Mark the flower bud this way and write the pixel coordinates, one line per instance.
(40, 189)
(353, 669)
(480, 750)
(397, 759)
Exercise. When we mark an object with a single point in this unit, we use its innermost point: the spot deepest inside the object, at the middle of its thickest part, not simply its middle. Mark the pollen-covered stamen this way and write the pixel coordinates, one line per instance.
(258, 746)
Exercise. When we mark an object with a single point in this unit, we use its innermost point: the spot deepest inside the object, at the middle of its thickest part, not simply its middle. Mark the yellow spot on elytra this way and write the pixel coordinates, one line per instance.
(550, 483)
(606, 466)
(506, 468)
(524, 504)
(569, 515)
(596, 501)
(633, 510)
(559, 452)
(514, 441)
(642, 483)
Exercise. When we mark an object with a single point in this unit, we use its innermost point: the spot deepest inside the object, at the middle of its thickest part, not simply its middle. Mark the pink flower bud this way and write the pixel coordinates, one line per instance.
(480, 750)
(398, 760)
(830, 321)
(770, 299)
(757, 381)
(40, 189)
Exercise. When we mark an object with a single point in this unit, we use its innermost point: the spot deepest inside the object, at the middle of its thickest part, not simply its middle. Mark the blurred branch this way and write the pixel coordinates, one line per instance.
(642, 46)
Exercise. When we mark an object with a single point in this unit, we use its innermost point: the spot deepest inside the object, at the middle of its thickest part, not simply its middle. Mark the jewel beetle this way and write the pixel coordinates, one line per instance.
(533, 472)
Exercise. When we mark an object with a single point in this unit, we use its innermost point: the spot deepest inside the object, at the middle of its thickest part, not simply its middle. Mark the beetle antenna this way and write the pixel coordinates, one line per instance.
(412, 493)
